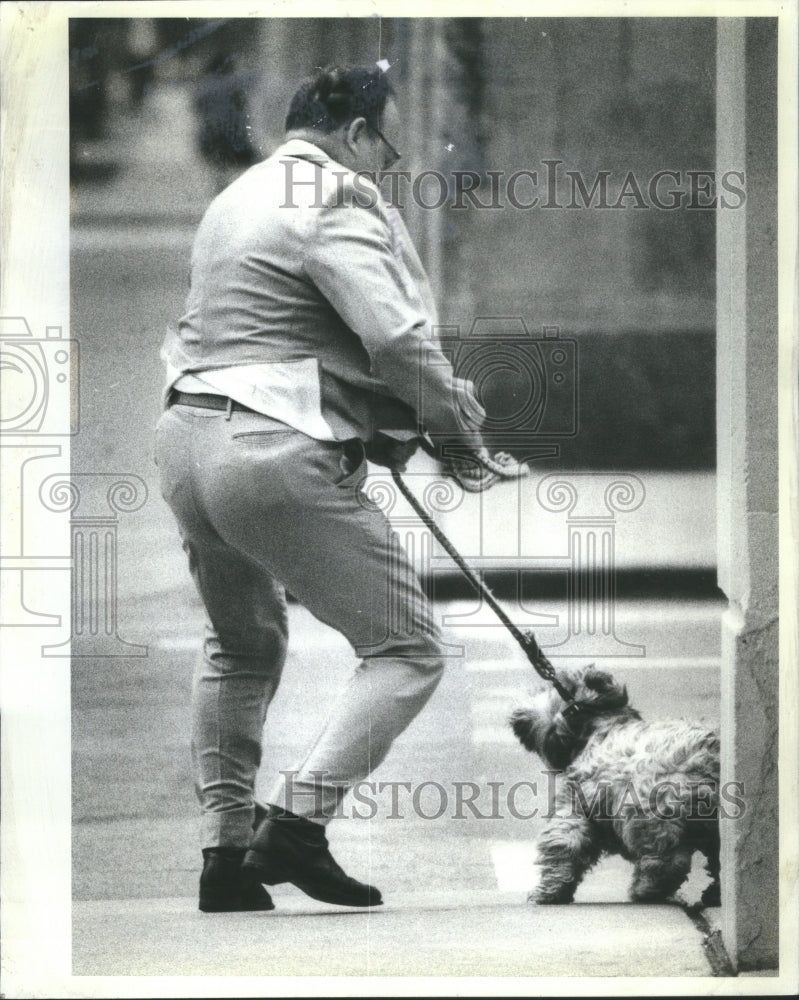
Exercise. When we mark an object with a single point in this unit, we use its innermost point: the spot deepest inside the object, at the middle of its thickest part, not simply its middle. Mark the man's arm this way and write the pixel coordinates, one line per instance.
(349, 258)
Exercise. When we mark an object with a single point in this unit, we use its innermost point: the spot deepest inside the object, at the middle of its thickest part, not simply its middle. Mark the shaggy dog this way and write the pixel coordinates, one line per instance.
(645, 790)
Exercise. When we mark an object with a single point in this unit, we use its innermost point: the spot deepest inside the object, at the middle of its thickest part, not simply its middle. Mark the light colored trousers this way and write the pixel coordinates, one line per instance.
(261, 506)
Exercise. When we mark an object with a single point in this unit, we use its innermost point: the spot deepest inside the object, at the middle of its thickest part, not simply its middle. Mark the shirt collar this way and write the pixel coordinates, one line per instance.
(304, 150)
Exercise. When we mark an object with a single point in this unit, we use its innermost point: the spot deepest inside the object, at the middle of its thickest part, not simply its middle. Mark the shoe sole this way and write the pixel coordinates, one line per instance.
(226, 906)
(255, 861)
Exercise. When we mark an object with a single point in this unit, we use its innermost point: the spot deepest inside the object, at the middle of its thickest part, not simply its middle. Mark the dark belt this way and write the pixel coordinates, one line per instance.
(206, 401)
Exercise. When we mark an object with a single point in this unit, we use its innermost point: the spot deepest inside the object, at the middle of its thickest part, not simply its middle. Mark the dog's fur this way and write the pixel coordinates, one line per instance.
(647, 791)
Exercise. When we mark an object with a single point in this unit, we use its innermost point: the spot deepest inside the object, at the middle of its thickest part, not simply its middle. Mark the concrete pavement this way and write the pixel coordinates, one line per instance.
(456, 933)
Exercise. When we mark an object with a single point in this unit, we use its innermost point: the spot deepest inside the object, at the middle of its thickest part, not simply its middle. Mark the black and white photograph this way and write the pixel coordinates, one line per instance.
(399, 485)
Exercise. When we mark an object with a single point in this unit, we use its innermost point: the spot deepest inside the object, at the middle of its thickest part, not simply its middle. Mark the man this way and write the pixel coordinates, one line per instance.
(306, 346)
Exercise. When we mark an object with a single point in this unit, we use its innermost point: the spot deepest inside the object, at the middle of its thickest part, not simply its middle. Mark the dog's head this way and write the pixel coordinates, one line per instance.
(542, 729)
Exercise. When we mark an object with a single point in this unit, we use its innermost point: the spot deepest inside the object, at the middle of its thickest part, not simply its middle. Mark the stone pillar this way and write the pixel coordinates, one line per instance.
(747, 485)
(424, 104)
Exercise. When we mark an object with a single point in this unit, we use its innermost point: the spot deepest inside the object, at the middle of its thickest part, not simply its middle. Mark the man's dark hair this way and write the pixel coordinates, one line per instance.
(334, 96)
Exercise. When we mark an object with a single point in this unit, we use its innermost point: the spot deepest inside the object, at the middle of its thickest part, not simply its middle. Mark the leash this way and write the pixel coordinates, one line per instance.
(525, 639)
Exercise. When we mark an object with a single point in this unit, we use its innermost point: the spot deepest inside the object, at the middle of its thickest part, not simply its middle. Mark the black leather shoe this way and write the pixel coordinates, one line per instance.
(288, 848)
(226, 887)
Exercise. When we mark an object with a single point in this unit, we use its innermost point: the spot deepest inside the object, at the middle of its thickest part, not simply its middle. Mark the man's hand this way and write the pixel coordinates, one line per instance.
(470, 409)
(478, 470)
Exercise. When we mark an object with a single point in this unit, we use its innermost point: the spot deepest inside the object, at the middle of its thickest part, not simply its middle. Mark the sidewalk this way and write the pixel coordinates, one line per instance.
(457, 933)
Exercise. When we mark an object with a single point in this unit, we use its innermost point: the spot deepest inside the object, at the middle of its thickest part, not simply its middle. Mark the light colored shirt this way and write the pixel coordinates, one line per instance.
(288, 391)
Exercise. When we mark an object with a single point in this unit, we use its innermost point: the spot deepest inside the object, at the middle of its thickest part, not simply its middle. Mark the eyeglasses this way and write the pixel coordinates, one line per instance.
(393, 154)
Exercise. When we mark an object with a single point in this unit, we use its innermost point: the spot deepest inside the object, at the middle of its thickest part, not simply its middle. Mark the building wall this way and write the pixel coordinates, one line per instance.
(613, 95)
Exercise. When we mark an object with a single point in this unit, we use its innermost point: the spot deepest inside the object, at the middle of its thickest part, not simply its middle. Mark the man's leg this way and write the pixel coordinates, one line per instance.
(288, 503)
(339, 557)
(285, 503)
(243, 656)
(235, 681)
(243, 653)
(245, 633)
(392, 683)
(378, 604)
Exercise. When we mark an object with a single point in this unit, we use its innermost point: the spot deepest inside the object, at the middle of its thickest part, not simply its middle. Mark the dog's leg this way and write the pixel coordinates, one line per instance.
(657, 877)
(566, 851)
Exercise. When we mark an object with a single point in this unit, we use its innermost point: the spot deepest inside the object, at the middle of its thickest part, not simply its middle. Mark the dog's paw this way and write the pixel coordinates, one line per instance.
(551, 897)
